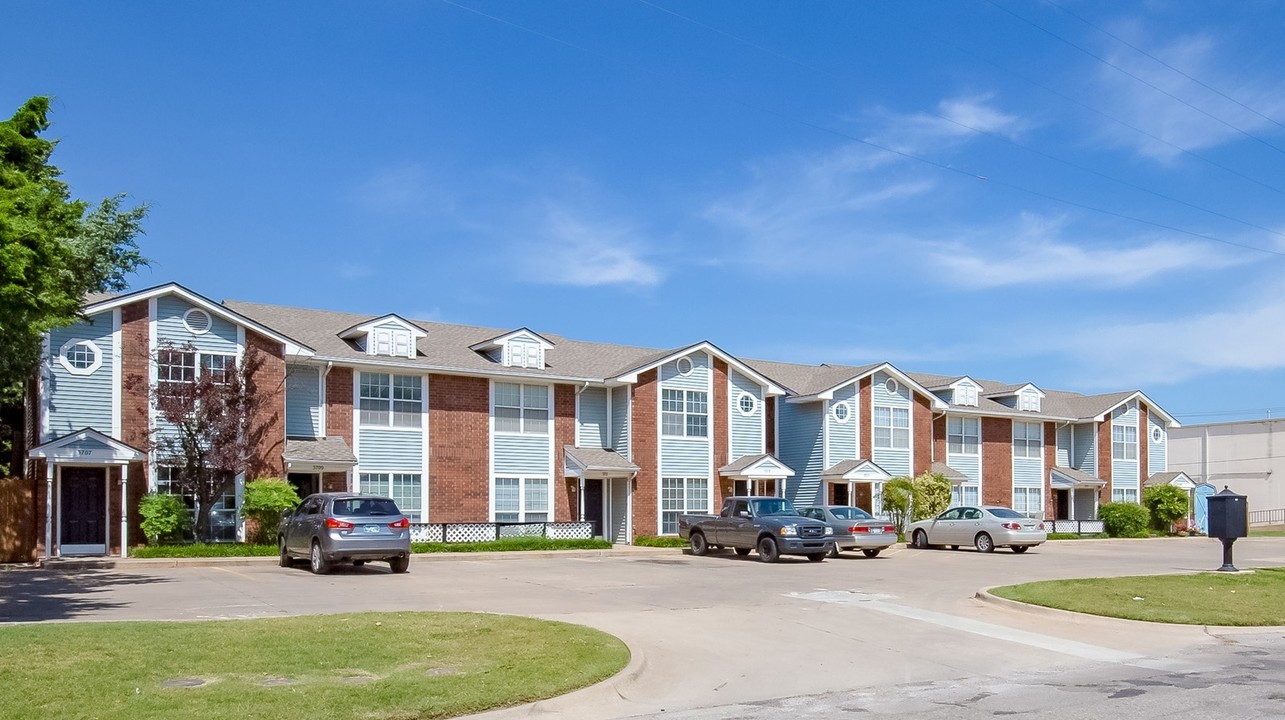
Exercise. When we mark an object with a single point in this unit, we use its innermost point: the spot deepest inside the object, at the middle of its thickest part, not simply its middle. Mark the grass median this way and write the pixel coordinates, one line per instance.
(1244, 599)
(366, 665)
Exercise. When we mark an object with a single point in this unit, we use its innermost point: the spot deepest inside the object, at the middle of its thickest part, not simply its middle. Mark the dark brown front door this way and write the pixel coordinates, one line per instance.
(593, 505)
(83, 506)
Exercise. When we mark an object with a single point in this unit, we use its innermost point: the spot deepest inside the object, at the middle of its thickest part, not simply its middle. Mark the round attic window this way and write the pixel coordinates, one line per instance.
(197, 321)
(891, 386)
(684, 366)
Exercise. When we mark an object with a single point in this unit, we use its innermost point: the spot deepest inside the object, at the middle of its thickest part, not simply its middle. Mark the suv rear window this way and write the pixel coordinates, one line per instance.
(366, 506)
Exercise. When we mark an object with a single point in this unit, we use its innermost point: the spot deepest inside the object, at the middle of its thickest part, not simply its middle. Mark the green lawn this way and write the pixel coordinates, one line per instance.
(367, 665)
(1256, 598)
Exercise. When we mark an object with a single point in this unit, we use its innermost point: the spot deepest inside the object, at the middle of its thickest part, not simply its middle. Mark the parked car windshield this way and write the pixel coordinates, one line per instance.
(773, 506)
(366, 506)
(851, 513)
(1004, 513)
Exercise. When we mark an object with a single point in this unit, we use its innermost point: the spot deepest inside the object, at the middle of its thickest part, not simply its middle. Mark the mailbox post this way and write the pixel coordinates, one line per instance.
(1228, 520)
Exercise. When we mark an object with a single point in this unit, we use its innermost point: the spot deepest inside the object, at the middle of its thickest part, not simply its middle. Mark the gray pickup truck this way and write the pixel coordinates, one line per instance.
(769, 525)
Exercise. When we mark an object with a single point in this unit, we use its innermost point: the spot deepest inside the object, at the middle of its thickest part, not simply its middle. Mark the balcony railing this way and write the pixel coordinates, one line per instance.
(487, 531)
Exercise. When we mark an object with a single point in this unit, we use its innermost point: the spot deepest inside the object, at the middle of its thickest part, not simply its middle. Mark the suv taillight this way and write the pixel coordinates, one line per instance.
(334, 524)
(400, 524)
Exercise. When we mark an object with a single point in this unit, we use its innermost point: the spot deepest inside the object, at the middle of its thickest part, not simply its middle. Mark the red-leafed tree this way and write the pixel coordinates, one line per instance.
(210, 418)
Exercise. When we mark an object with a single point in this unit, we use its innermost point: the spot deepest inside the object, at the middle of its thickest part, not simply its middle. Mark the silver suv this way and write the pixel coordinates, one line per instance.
(329, 528)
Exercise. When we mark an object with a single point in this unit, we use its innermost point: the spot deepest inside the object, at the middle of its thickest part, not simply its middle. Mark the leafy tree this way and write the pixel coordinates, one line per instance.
(1168, 505)
(54, 250)
(265, 500)
(898, 494)
(210, 424)
(931, 495)
(165, 517)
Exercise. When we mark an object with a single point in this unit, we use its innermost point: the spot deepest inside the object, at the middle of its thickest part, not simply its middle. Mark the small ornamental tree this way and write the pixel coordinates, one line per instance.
(897, 495)
(931, 495)
(210, 420)
(1168, 505)
(165, 517)
(265, 500)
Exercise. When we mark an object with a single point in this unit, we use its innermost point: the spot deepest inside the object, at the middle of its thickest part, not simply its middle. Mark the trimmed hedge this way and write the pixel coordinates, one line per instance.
(1125, 519)
(659, 542)
(200, 550)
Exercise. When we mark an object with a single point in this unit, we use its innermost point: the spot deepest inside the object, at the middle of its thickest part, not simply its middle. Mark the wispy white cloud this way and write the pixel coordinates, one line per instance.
(399, 188)
(572, 249)
(1037, 253)
(1170, 122)
(955, 119)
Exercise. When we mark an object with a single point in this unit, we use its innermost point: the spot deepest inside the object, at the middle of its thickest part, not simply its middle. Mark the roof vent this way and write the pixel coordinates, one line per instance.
(197, 321)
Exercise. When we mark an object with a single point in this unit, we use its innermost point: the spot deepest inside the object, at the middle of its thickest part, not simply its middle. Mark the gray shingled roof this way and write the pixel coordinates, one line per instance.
(843, 467)
(809, 379)
(1164, 478)
(599, 459)
(954, 476)
(324, 450)
(1079, 477)
(746, 461)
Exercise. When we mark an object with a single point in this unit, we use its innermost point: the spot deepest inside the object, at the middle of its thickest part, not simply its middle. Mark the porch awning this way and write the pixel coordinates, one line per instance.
(1061, 478)
(859, 470)
(756, 467)
(954, 476)
(88, 447)
(596, 463)
(321, 455)
(1177, 479)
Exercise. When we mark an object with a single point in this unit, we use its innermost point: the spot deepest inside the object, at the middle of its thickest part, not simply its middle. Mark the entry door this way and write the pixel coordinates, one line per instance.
(593, 505)
(1063, 504)
(864, 498)
(83, 511)
(839, 494)
(305, 483)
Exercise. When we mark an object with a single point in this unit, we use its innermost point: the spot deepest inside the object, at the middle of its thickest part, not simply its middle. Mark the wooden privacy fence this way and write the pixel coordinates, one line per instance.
(17, 521)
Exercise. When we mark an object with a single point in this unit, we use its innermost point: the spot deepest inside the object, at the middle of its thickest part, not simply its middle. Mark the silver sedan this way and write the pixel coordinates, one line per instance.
(854, 528)
(985, 528)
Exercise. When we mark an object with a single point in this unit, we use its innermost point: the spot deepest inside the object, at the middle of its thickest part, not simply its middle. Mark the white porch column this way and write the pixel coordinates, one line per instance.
(580, 497)
(49, 509)
(1073, 491)
(124, 511)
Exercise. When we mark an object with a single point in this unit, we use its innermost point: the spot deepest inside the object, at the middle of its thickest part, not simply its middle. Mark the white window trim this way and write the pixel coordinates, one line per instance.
(187, 321)
(93, 366)
(754, 404)
(1028, 440)
(360, 485)
(1125, 443)
(892, 428)
(685, 392)
(1157, 435)
(847, 414)
(523, 352)
(522, 408)
(892, 386)
(660, 500)
(678, 366)
(522, 508)
(964, 421)
(966, 395)
(417, 427)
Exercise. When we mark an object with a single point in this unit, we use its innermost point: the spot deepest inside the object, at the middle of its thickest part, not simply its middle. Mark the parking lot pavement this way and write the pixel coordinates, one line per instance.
(715, 631)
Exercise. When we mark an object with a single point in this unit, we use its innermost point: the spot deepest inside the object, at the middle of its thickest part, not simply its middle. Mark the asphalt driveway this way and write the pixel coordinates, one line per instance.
(716, 631)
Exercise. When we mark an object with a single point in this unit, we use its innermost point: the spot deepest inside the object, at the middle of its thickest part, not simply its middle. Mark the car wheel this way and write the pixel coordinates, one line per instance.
(1019, 549)
(834, 551)
(358, 563)
(285, 560)
(984, 543)
(816, 557)
(920, 540)
(871, 552)
(699, 546)
(316, 561)
(768, 552)
(399, 564)
(742, 551)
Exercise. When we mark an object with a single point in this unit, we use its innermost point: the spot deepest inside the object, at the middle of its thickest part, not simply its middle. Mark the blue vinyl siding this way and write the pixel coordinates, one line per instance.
(684, 457)
(1124, 473)
(88, 443)
(697, 379)
(521, 454)
(1063, 458)
(1028, 472)
(895, 461)
(800, 448)
(1157, 452)
(969, 465)
(1084, 455)
(747, 430)
(620, 420)
(169, 328)
(79, 401)
(303, 402)
(390, 449)
(842, 436)
(591, 425)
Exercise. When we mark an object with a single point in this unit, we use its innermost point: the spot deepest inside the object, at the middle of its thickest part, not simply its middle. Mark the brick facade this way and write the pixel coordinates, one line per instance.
(1050, 459)
(459, 448)
(719, 416)
(566, 502)
(643, 407)
(921, 428)
(1104, 459)
(339, 393)
(270, 383)
(865, 418)
(939, 439)
(769, 417)
(997, 461)
(135, 358)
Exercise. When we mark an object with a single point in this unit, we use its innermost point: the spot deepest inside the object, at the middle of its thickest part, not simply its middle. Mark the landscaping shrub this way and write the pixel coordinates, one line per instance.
(1124, 519)
(165, 517)
(203, 550)
(265, 500)
(1167, 504)
(662, 542)
(898, 494)
(931, 495)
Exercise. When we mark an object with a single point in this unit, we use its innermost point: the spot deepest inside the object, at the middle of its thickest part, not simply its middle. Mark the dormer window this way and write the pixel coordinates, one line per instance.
(1029, 401)
(389, 336)
(392, 341)
(521, 352)
(966, 395)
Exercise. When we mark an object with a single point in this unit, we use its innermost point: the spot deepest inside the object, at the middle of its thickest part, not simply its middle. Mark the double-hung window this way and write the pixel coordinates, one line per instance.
(1124, 495)
(1028, 437)
(521, 408)
(218, 367)
(406, 489)
(175, 368)
(1029, 501)
(891, 427)
(391, 400)
(963, 435)
(684, 413)
(521, 499)
(679, 496)
(1124, 442)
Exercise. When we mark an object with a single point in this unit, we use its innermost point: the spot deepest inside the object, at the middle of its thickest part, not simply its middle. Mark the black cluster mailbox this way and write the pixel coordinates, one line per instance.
(1228, 520)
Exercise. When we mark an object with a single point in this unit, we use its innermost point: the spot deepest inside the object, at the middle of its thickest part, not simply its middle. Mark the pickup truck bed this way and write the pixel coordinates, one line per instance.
(770, 526)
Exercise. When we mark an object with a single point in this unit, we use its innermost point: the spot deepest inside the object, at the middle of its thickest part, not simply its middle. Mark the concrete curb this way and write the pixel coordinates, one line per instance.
(79, 564)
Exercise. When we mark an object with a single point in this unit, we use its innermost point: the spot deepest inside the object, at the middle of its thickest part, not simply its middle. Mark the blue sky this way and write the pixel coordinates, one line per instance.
(1084, 195)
